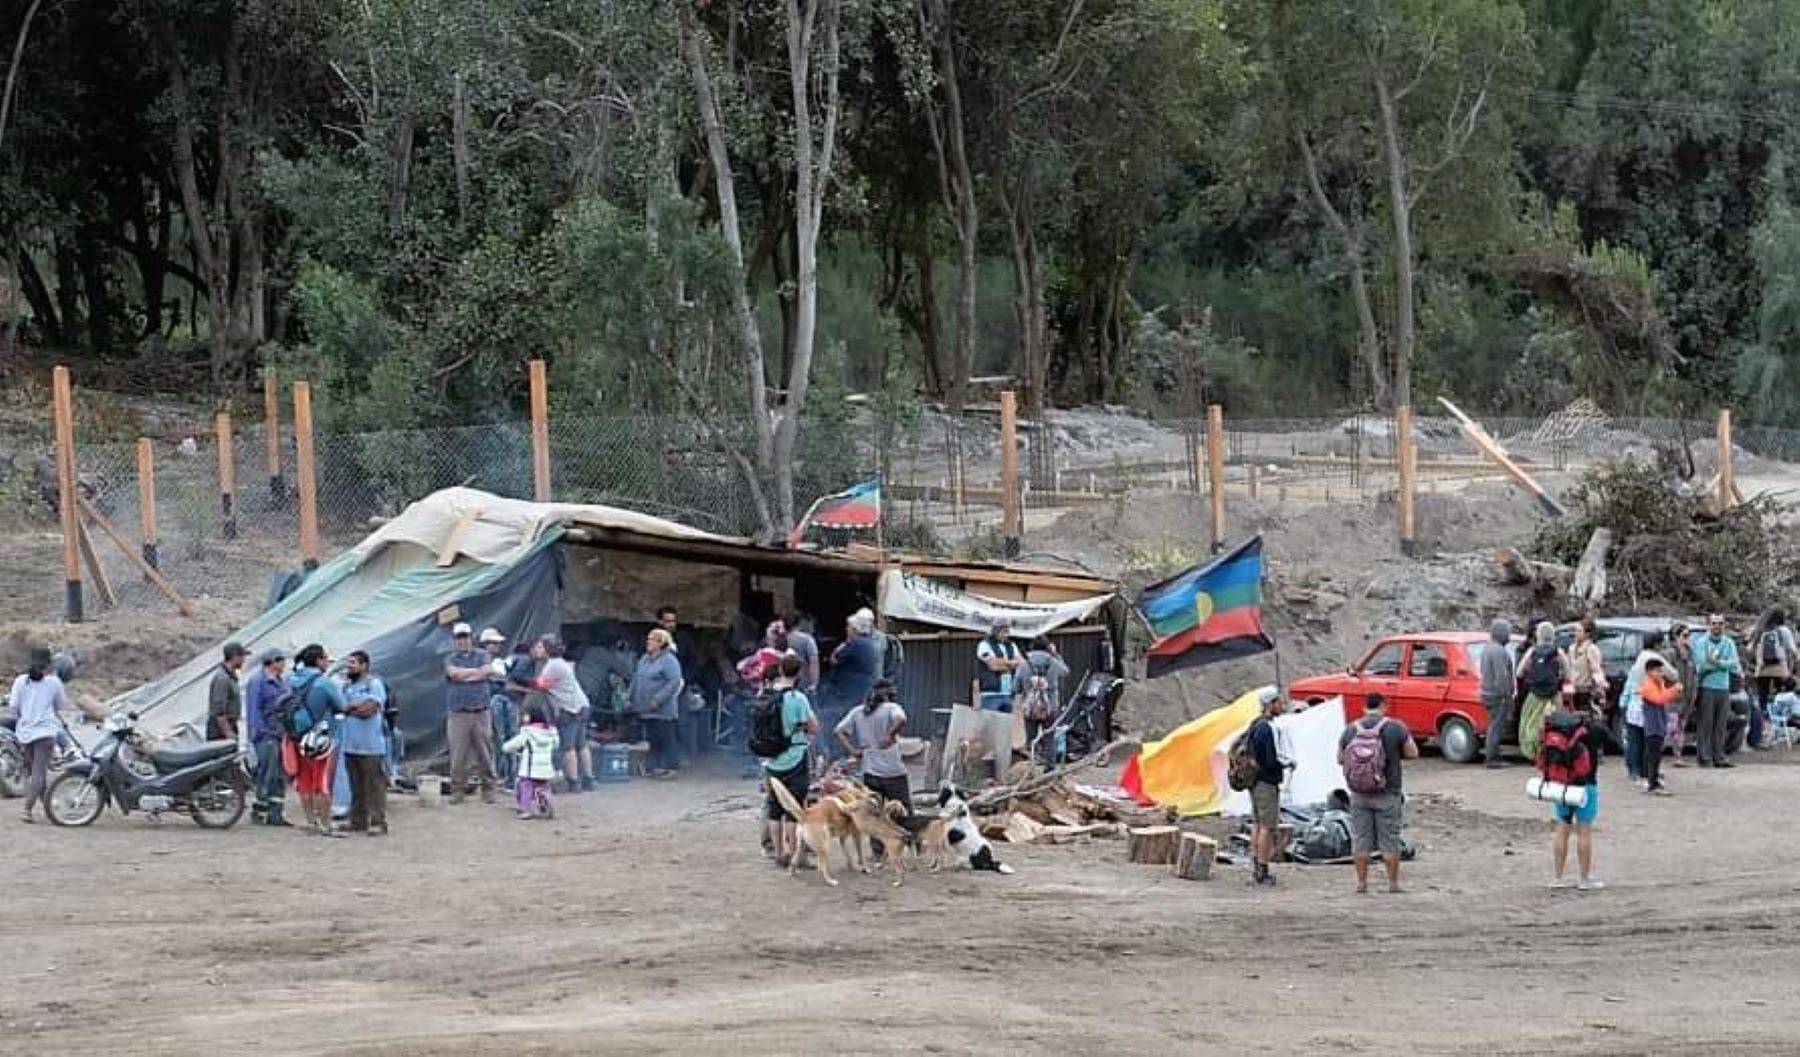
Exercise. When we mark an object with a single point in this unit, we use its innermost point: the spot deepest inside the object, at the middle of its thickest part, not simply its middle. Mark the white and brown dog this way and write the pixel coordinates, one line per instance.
(953, 833)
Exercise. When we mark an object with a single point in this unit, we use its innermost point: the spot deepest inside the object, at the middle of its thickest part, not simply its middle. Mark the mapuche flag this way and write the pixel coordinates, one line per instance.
(856, 507)
(1209, 613)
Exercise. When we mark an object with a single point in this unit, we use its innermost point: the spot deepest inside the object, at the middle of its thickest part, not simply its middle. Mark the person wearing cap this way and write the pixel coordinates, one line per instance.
(503, 709)
(38, 696)
(999, 660)
(466, 716)
(268, 686)
(1265, 795)
(224, 699)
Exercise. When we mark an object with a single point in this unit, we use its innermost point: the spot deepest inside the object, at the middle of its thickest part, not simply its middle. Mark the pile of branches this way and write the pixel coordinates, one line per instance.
(1671, 546)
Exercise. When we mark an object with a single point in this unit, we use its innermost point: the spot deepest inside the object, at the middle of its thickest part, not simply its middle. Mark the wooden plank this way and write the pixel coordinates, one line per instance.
(1727, 462)
(1011, 516)
(1478, 437)
(146, 470)
(62, 406)
(134, 558)
(102, 586)
(305, 475)
(272, 423)
(227, 474)
(1215, 471)
(453, 542)
(1406, 455)
(540, 433)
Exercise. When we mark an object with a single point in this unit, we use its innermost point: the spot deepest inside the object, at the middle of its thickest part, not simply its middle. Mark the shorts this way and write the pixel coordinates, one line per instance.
(1375, 822)
(895, 788)
(1265, 805)
(796, 778)
(1580, 816)
(572, 729)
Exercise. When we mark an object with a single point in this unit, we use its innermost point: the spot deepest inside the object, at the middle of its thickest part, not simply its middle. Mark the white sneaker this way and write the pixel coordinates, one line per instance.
(1590, 884)
(1561, 882)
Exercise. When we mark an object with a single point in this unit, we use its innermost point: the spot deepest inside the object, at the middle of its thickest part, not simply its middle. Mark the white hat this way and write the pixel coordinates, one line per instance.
(491, 635)
(460, 630)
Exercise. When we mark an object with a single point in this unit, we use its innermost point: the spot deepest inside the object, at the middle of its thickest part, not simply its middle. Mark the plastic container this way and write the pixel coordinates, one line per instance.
(615, 763)
(431, 790)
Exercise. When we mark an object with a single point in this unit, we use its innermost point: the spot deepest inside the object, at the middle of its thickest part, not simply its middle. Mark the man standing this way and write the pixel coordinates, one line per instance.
(466, 716)
(1370, 751)
(224, 700)
(999, 660)
(1498, 687)
(871, 735)
(1265, 795)
(503, 711)
(804, 646)
(365, 746)
(1716, 661)
(855, 666)
(262, 700)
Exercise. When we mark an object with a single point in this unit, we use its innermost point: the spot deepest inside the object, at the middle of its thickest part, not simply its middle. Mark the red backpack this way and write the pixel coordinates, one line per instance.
(1564, 756)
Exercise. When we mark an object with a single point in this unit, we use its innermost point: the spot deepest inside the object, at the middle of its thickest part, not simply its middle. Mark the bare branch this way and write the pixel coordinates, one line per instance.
(1335, 218)
(12, 70)
(1425, 62)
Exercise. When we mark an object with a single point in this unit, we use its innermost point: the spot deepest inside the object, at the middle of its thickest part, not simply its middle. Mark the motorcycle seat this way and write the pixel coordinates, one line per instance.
(180, 759)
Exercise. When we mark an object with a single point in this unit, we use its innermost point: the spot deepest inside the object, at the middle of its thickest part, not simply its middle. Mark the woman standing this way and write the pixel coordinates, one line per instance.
(1587, 671)
(656, 696)
(314, 750)
(38, 695)
(1542, 670)
(1682, 660)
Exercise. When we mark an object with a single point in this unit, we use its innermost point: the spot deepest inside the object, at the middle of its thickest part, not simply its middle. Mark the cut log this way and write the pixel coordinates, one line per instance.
(1065, 834)
(1194, 857)
(1153, 845)
(1589, 583)
(1022, 829)
(1516, 570)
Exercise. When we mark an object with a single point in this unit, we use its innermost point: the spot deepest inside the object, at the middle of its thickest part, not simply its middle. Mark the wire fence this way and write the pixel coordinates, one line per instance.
(231, 526)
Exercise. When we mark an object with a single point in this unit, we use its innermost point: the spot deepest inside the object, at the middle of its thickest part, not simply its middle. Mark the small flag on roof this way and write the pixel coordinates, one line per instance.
(1210, 613)
(857, 507)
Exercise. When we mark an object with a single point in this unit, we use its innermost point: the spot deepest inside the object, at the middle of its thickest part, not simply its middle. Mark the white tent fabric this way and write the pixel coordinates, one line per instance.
(1310, 739)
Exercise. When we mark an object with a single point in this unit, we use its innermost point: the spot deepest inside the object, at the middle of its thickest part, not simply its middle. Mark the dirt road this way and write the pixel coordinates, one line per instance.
(644, 921)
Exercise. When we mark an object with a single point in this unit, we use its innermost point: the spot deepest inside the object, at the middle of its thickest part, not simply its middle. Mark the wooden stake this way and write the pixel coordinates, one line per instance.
(1215, 471)
(227, 474)
(102, 585)
(146, 469)
(1408, 467)
(62, 406)
(1255, 485)
(305, 479)
(119, 541)
(540, 433)
(1727, 467)
(1010, 514)
(1486, 445)
(272, 433)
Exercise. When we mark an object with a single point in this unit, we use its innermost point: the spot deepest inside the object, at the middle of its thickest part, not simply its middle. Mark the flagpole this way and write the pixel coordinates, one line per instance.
(881, 517)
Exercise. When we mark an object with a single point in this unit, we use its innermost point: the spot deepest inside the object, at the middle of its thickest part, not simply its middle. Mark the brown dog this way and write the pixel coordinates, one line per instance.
(818, 823)
(879, 823)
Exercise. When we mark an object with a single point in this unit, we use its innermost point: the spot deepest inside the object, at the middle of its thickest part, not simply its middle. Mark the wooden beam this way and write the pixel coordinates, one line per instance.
(227, 474)
(1011, 516)
(453, 541)
(1215, 472)
(102, 585)
(1406, 456)
(62, 406)
(131, 555)
(146, 470)
(1727, 463)
(1486, 445)
(540, 433)
(306, 480)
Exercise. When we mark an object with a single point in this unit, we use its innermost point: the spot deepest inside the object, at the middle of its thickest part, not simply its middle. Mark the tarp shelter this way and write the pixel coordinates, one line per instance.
(596, 574)
(1187, 769)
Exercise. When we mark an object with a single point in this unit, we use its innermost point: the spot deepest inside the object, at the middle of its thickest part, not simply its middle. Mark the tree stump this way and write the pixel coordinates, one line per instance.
(1194, 857)
(1153, 845)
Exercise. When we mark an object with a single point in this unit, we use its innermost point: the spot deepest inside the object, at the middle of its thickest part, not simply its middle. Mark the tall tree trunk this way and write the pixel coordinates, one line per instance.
(68, 289)
(92, 256)
(1029, 311)
(459, 148)
(1349, 229)
(1400, 205)
(956, 183)
(37, 295)
(400, 185)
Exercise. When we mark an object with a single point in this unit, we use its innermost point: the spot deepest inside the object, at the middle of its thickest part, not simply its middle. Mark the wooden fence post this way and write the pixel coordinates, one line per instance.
(1727, 467)
(146, 469)
(1405, 462)
(1215, 471)
(540, 433)
(227, 474)
(1011, 516)
(272, 435)
(62, 409)
(305, 481)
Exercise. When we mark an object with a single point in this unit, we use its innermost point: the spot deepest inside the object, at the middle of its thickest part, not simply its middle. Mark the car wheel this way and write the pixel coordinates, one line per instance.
(1457, 741)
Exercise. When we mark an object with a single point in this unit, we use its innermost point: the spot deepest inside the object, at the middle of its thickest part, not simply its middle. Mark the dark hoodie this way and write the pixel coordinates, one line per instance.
(1496, 667)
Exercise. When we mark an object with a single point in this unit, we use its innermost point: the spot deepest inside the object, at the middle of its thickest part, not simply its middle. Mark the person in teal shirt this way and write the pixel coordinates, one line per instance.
(1715, 661)
(791, 767)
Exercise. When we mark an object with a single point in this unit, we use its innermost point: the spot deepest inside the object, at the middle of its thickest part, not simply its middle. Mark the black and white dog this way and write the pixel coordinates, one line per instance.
(959, 834)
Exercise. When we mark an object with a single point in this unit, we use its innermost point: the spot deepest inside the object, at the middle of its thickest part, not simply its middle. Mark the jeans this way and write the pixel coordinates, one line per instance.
(271, 780)
(1656, 725)
(37, 755)
(1498, 713)
(396, 748)
(1634, 750)
(1709, 725)
(661, 733)
(504, 712)
(368, 785)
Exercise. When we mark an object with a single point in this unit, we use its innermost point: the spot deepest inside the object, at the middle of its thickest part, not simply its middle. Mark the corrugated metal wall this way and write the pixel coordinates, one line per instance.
(940, 668)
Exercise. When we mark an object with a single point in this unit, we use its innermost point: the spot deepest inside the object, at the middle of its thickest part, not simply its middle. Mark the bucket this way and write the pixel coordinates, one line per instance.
(615, 763)
(1539, 788)
(431, 790)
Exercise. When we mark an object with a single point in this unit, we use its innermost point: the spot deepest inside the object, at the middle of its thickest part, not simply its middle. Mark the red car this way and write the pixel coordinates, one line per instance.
(1432, 683)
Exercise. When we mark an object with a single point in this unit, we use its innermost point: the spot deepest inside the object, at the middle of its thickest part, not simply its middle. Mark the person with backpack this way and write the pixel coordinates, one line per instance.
(1657, 692)
(1040, 697)
(1570, 756)
(314, 700)
(1775, 654)
(1716, 662)
(1370, 751)
(265, 710)
(782, 725)
(1265, 792)
(1543, 670)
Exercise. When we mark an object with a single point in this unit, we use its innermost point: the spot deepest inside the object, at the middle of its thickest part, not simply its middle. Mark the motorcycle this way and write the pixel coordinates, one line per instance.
(12, 759)
(209, 783)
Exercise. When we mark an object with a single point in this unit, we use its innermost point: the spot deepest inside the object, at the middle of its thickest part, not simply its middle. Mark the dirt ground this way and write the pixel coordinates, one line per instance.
(644, 921)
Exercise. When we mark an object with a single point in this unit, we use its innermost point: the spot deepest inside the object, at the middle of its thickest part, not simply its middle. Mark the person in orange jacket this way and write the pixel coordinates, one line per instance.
(1659, 690)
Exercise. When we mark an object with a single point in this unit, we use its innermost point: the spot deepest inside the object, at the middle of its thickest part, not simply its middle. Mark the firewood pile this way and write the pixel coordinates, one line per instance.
(1035, 807)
